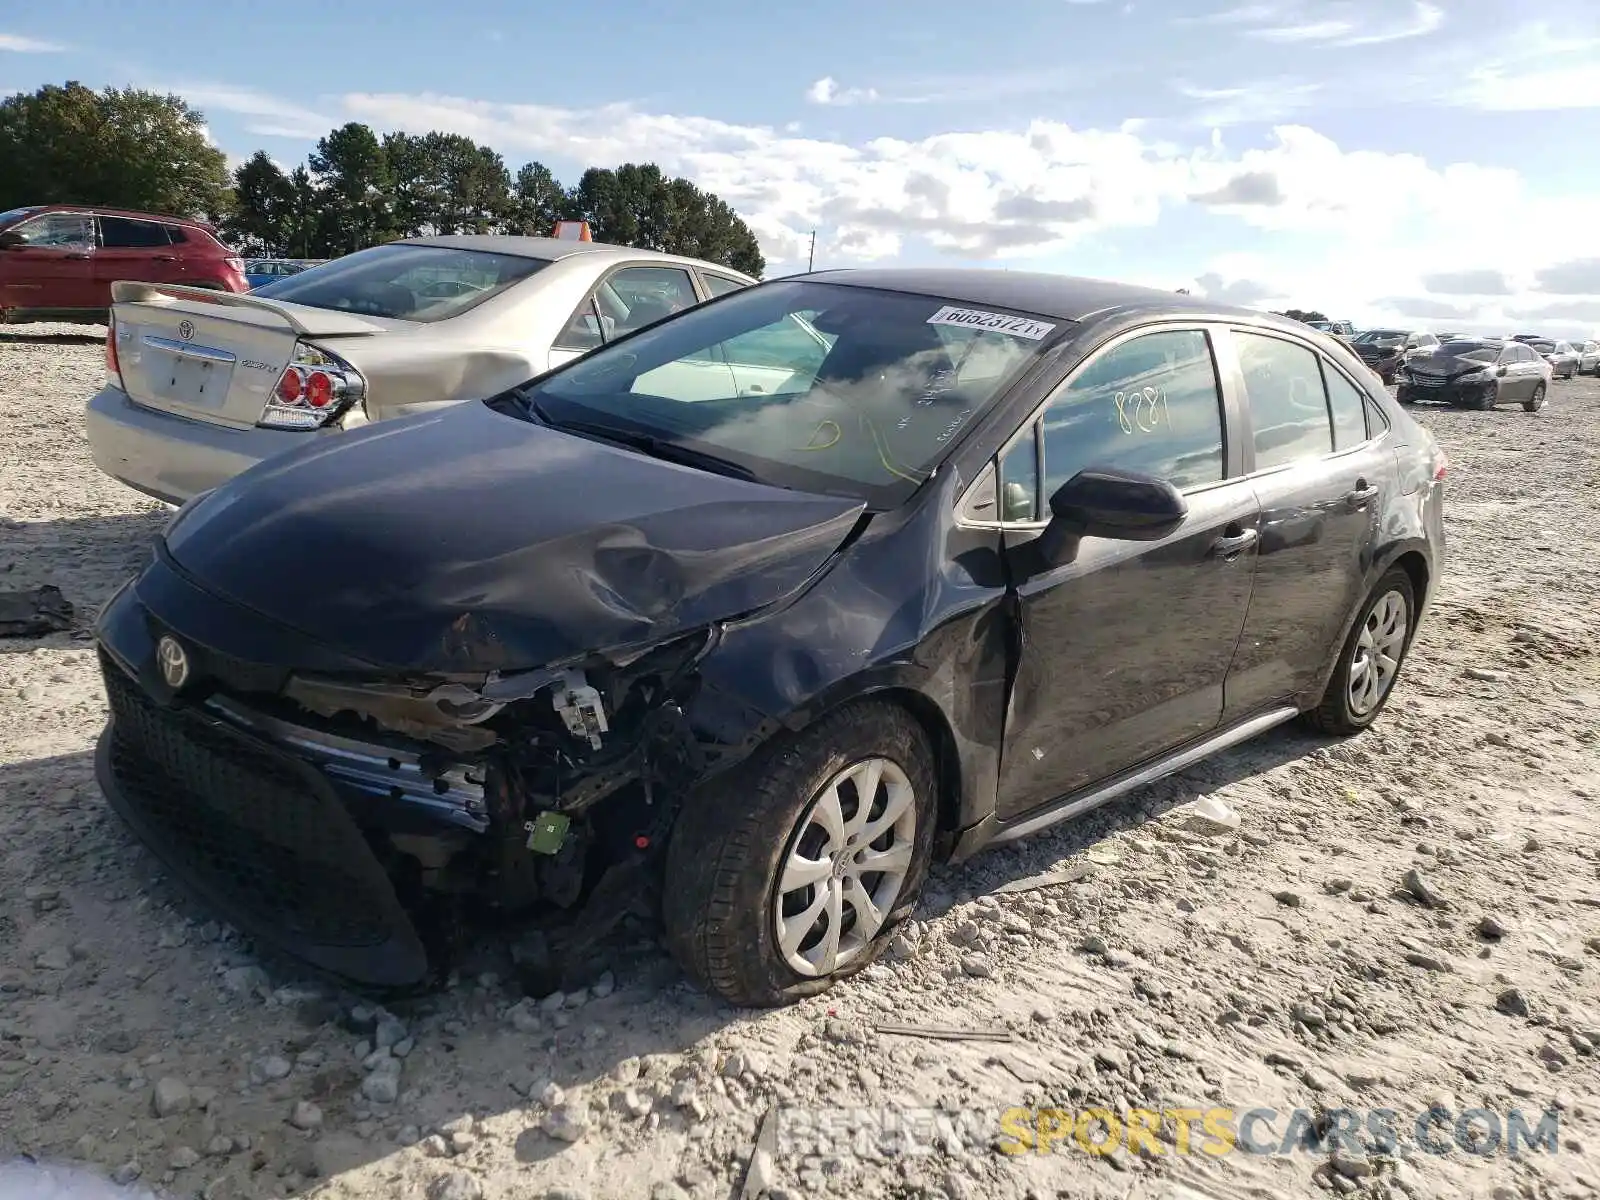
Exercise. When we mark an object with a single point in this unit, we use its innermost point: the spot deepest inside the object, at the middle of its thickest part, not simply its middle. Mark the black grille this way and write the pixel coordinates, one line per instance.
(252, 829)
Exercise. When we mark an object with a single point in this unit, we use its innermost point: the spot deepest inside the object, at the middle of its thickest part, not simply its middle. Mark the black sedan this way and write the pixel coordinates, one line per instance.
(759, 611)
(1477, 373)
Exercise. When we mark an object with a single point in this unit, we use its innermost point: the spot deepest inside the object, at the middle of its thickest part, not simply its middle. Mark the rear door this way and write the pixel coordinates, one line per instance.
(55, 269)
(1322, 476)
(133, 249)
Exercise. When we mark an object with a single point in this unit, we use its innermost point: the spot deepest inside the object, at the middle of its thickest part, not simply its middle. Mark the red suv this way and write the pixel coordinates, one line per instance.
(58, 261)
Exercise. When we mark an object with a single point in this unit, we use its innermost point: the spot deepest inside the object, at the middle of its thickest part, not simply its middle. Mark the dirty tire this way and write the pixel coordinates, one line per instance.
(723, 863)
(1535, 402)
(1333, 714)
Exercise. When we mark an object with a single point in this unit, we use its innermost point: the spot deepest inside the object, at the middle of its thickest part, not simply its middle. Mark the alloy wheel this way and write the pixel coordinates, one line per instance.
(846, 865)
(1378, 650)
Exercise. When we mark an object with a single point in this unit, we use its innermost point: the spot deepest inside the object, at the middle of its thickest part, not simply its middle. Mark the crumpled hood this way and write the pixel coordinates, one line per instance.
(468, 540)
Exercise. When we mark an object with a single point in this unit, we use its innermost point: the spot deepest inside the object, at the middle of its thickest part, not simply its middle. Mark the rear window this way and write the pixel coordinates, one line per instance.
(408, 283)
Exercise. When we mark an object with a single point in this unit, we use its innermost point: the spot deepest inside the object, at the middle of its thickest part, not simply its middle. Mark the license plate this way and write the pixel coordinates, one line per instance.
(194, 381)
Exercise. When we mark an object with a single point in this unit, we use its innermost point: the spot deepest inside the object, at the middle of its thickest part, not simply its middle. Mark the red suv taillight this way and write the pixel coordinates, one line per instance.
(113, 367)
(314, 388)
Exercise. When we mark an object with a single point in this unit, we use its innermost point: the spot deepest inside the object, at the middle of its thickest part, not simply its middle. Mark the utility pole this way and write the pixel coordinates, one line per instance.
(811, 259)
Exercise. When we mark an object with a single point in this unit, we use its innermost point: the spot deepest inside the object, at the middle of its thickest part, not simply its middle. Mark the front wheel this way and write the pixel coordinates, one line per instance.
(1536, 401)
(1369, 663)
(794, 872)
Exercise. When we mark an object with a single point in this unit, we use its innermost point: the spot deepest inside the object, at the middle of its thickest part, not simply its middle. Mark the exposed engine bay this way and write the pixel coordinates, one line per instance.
(547, 791)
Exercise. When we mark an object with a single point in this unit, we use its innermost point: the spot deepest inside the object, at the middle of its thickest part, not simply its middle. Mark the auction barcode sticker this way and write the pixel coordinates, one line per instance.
(974, 318)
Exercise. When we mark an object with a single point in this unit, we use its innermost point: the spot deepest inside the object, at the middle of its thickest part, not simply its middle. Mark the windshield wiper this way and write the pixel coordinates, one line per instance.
(648, 443)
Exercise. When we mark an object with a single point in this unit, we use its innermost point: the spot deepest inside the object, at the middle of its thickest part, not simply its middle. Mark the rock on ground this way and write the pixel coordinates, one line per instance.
(1259, 949)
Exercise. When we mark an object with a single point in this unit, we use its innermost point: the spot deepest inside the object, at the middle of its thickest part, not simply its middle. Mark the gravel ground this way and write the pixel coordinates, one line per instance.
(1247, 935)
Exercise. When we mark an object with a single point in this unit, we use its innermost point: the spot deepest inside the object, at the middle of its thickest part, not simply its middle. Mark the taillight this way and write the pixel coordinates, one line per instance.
(113, 367)
(314, 388)
(1441, 464)
(236, 263)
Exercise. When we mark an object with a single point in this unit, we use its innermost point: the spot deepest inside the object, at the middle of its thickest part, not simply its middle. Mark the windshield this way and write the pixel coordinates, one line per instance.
(407, 282)
(1381, 337)
(812, 386)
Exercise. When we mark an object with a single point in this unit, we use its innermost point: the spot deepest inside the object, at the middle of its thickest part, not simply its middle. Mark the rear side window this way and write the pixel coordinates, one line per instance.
(1288, 406)
(1347, 406)
(120, 233)
(406, 282)
(176, 234)
(721, 285)
(1151, 404)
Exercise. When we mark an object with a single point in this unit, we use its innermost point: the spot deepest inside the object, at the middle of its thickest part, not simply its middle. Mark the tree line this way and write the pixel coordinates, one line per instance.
(140, 150)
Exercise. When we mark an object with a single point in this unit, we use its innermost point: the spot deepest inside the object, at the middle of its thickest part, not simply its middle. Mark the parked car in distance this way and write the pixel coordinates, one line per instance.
(1343, 328)
(258, 272)
(58, 261)
(1385, 349)
(1563, 359)
(1477, 373)
(1588, 357)
(197, 391)
(637, 629)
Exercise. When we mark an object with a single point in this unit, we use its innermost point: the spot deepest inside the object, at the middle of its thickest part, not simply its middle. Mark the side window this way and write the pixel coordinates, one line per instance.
(721, 285)
(1348, 407)
(176, 235)
(1019, 480)
(650, 294)
(1151, 404)
(630, 299)
(1288, 407)
(1377, 419)
(58, 231)
(120, 233)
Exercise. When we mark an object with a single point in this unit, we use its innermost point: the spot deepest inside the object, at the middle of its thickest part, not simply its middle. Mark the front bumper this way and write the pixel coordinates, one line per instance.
(172, 458)
(1446, 391)
(266, 828)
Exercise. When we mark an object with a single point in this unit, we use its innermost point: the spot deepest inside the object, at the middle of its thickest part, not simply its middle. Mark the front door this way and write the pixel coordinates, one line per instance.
(1124, 652)
(1322, 480)
(54, 269)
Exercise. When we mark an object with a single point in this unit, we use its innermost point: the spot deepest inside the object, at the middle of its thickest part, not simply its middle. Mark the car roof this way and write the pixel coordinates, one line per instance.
(101, 211)
(554, 249)
(1065, 297)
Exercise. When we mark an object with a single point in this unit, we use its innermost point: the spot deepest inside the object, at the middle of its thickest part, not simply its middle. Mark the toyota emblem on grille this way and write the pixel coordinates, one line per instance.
(186, 330)
(174, 663)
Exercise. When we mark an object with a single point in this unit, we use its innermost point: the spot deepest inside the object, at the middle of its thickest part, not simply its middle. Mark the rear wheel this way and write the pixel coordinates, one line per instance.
(1536, 401)
(1370, 660)
(793, 873)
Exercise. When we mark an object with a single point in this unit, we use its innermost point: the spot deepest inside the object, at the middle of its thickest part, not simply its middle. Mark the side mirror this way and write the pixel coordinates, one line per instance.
(1105, 502)
(1500, 371)
(12, 240)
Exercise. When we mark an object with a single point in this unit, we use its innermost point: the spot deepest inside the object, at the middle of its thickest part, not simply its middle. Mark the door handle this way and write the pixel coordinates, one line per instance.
(165, 257)
(1229, 545)
(77, 257)
(1362, 494)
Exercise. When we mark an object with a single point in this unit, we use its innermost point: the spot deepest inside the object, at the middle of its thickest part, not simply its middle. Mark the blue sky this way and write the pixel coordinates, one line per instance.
(1414, 161)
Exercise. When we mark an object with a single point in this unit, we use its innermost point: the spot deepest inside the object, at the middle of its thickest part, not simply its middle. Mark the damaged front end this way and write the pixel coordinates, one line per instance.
(358, 824)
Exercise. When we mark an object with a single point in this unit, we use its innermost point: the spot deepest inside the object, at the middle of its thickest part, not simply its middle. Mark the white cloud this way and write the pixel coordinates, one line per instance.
(267, 115)
(18, 44)
(1328, 22)
(827, 91)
